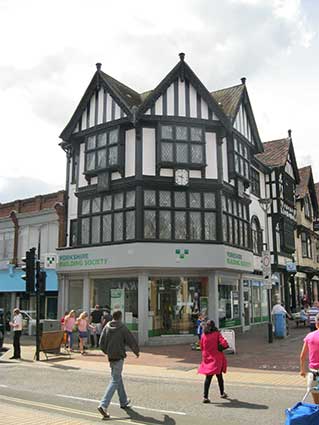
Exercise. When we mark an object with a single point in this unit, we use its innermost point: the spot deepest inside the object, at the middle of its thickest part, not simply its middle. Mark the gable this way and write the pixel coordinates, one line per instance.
(183, 100)
(100, 108)
(242, 124)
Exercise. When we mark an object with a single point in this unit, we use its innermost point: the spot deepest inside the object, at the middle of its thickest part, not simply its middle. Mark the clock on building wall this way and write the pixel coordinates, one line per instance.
(181, 177)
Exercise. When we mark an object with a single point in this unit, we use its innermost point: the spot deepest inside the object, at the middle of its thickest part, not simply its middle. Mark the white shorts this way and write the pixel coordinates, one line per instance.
(312, 382)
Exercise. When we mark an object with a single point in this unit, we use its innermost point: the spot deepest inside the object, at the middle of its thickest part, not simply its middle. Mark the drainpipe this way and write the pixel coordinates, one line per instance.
(60, 210)
(14, 219)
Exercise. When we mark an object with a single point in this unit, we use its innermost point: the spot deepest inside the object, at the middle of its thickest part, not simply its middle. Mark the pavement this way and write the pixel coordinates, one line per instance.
(255, 362)
(262, 380)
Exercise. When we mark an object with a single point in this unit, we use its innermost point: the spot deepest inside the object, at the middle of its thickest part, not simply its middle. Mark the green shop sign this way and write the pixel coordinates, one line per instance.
(235, 259)
(80, 260)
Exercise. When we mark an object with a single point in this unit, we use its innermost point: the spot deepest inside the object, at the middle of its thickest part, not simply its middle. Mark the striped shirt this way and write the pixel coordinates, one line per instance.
(312, 313)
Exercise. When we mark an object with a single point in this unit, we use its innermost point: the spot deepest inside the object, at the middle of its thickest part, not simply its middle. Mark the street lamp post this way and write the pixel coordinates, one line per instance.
(265, 205)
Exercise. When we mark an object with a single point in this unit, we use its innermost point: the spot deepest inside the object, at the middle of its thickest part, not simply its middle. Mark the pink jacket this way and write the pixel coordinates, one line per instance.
(69, 324)
(213, 361)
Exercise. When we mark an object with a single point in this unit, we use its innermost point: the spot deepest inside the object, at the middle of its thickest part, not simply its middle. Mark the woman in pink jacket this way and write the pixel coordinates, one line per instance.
(213, 360)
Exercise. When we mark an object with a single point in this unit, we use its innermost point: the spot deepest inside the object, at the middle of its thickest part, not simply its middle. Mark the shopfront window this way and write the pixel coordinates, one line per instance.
(229, 305)
(76, 295)
(117, 294)
(175, 303)
(257, 300)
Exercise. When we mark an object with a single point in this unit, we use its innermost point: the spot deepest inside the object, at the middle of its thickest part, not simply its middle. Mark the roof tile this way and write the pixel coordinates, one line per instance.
(275, 152)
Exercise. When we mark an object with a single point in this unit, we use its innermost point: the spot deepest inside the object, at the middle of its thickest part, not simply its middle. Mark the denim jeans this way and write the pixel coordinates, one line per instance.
(116, 384)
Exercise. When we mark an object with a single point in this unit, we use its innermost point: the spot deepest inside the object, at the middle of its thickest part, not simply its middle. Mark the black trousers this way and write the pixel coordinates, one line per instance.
(16, 344)
(208, 381)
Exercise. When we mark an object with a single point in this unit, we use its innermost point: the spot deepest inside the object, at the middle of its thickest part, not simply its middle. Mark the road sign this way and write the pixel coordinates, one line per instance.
(266, 264)
(291, 267)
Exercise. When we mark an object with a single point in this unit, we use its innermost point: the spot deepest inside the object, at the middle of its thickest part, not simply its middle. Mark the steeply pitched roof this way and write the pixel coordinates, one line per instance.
(302, 187)
(228, 99)
(275, 152)
(127, 95)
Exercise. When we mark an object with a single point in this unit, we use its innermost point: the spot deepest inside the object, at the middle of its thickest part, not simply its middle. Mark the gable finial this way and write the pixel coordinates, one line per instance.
(243, 80)
(289, 134)
(181, 56)
(98, 66)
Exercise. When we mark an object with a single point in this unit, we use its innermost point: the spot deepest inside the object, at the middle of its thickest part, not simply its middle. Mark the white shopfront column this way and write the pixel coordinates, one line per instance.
(86, 294)
(213, 297)
(62, 295)
(142, 308)
(241, 302)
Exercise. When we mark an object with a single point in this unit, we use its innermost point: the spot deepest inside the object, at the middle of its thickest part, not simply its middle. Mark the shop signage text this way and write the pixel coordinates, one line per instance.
(236, 259)
(80, 260)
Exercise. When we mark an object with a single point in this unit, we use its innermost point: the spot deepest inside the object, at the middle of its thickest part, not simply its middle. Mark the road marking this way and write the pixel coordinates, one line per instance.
(3, 386)
(64, 409)
(117, 404)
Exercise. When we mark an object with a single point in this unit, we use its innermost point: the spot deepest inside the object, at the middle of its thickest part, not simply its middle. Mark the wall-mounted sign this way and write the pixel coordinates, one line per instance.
(236, 259)
(291, 267)
(80, 260)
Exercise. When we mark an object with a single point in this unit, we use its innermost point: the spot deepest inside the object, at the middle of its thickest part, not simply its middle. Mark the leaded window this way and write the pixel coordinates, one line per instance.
(256, 236)
(180, 144)
(235, 222)
(255, 182)
(241, 159)
(102, 150)
(107, 218)
(179, 215)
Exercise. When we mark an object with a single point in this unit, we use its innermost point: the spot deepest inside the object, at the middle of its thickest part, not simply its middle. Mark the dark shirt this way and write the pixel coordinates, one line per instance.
(96, 316)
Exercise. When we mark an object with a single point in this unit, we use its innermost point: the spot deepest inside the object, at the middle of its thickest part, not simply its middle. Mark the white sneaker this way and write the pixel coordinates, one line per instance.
(103, 412)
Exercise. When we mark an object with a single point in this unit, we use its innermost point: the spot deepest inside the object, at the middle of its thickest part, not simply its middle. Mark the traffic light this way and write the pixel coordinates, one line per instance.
(42, 276)
(29, 261)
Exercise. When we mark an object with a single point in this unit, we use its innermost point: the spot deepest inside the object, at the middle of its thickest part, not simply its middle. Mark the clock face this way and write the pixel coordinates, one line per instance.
(181, 177)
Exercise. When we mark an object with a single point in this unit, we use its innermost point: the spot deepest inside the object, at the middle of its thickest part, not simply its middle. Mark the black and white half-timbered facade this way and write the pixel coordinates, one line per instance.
(281, 189)
(163, 212)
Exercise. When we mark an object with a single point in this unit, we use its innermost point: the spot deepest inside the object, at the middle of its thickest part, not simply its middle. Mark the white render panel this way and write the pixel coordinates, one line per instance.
(211, 156)
(195, 174)
(181, 98)
(225, 160)
(116, 176)
(166, 172)
(170, 100)
(93, 180)
(100, 106)
(108, 108)
(83, 126)
(192, 102)
(149, 152)
(82, 181)
(117, 111)
(204, 108)
(148, 112)
(92, 111)
(159, 106)
(215, 118)
(76, 128)
(130, 153)
(72, 202)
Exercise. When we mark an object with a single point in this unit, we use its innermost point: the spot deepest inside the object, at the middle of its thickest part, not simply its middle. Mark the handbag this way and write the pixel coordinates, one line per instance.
(220, 347)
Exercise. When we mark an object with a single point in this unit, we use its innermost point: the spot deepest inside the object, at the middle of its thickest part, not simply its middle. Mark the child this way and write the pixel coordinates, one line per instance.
(82, 323)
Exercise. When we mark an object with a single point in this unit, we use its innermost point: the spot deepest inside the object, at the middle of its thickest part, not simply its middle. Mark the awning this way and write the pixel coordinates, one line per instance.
(301, 275)
(11, 281)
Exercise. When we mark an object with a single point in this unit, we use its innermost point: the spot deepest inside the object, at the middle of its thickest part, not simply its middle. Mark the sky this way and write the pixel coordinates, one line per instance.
(49, 50)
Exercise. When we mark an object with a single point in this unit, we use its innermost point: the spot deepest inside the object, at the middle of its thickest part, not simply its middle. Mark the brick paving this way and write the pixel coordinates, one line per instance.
(256, 361)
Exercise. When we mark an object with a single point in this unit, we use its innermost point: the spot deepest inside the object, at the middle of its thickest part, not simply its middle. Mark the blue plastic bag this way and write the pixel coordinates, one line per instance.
(303, 414)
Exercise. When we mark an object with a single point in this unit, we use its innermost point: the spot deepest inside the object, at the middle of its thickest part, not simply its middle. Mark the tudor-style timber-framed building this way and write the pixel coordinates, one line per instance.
(306, 278)
(281, 184)
(160, 205)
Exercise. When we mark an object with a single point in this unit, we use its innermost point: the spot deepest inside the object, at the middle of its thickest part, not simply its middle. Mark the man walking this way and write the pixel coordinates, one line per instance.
(16, 325)
(115, 336)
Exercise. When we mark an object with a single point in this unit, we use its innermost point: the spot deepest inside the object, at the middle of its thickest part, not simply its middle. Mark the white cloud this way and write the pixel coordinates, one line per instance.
(50, 51)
